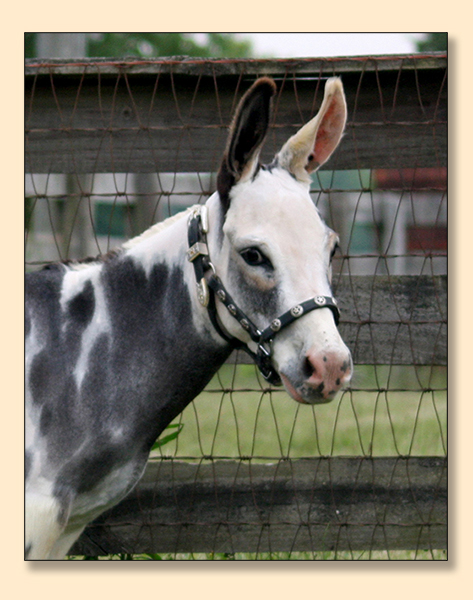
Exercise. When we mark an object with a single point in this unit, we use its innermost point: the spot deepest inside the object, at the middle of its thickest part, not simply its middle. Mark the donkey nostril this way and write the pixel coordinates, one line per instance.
(314, 370)
(308, 368)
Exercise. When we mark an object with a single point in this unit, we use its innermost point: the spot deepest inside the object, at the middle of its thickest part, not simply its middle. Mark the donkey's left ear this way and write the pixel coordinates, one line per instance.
(314, 143)
(247, 133)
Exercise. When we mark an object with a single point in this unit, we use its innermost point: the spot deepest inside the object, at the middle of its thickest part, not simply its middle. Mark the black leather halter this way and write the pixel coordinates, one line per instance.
(211, 286)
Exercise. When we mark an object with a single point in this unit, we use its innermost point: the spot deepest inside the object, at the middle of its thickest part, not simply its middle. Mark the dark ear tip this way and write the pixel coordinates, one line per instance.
(264, 84)
(247, 133)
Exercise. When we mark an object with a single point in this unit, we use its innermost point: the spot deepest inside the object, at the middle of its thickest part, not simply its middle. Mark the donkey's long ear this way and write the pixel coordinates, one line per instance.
(246, 137)
(314, 143)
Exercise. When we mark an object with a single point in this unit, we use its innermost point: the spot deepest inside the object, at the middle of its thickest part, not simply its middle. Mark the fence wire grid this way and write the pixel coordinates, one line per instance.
(115, 146)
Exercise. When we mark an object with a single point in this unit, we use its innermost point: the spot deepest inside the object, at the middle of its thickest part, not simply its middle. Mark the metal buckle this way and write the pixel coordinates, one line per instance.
(263, 351)
(198, 249)
(263, 361)
(204, 218)
(203, 292)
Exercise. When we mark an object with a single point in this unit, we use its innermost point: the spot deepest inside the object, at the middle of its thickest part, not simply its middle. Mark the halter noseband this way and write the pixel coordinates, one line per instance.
(208, 288)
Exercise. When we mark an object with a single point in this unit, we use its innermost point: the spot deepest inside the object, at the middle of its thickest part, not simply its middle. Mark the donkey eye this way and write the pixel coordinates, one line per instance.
(255, 258)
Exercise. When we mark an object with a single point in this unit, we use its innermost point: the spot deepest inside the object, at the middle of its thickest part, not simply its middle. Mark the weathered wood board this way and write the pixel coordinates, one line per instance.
(158, 117)
(308, 504)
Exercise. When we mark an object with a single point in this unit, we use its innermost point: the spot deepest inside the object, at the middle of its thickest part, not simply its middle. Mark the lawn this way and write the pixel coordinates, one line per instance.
(387, 412)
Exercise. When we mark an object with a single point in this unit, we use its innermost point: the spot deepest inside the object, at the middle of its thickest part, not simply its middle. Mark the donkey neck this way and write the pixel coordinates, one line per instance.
(162, 328)
(125, 353)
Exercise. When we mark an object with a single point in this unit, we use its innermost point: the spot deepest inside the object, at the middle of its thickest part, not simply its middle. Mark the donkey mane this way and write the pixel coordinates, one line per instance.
(157, 228)
(83, 263)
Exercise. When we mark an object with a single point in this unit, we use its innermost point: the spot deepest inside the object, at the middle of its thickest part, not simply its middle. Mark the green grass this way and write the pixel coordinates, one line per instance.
(265, 556)
(239, 416)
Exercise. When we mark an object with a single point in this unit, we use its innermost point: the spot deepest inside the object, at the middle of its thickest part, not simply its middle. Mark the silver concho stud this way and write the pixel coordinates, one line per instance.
(320, 300)
(276, 325)
(221, 294)
(244, 323)
(203, 292)
(232, 309)
(297, 311)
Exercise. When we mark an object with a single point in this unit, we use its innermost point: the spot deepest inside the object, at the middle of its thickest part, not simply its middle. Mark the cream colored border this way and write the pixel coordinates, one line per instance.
(237, 580)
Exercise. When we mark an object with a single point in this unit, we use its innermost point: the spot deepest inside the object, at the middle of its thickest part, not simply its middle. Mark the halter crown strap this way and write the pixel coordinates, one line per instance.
(198, 254)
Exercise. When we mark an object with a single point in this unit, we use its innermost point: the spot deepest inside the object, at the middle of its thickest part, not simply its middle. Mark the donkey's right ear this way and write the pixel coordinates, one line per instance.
(247, 133)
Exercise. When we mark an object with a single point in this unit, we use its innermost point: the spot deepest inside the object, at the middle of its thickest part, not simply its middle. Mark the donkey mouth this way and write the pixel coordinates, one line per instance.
(304, 394)
(292, 390)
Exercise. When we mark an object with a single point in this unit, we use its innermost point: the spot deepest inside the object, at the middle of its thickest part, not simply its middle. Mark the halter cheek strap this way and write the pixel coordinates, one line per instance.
(210, 287)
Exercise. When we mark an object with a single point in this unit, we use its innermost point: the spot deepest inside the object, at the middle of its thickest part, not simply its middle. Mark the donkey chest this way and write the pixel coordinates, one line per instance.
(106, 493)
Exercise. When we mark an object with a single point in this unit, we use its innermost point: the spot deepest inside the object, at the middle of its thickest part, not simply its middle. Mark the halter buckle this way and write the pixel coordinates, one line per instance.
(198, 249)
(203, 292)
(264, 364)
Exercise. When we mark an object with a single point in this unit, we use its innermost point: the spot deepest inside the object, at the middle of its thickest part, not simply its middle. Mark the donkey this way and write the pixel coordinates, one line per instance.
(117, 347)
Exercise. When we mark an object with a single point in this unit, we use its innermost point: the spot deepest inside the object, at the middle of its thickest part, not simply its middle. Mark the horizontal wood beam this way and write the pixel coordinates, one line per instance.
(236, 66)
(140, 117)
(396, 320)
(317, 504)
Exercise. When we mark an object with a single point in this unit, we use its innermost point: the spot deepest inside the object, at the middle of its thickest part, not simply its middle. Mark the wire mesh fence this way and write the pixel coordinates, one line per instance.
(114, 146)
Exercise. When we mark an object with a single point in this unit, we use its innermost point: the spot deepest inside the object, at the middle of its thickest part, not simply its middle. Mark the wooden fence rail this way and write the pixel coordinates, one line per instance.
(145, 116)
(318, 504)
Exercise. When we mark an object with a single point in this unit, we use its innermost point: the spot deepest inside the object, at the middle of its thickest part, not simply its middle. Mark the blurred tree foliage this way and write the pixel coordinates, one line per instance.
(147, 45)
(30, 45)
(436, 42)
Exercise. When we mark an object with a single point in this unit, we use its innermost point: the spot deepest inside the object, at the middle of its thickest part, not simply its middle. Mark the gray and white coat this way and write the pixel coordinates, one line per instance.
(116, 348)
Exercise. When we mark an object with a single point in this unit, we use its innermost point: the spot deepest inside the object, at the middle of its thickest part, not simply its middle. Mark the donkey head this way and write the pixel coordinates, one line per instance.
(273, 250)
